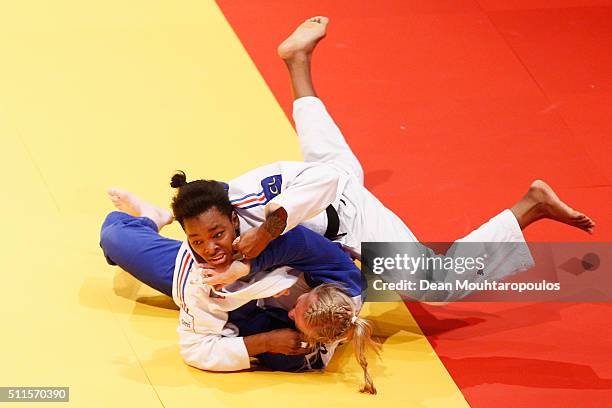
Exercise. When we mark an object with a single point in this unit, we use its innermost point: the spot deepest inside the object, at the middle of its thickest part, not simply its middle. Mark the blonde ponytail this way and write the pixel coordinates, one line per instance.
(331, 317)
(362, 340)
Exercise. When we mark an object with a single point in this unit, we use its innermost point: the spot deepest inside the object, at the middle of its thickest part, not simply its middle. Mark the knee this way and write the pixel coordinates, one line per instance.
(110, 226)
(109, 244)
(110, 235)
(353, 167)
(359, 173)
(115, 217)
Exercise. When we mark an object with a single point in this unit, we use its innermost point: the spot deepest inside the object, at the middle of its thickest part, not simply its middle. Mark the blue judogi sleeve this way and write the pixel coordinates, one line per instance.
(321, 260)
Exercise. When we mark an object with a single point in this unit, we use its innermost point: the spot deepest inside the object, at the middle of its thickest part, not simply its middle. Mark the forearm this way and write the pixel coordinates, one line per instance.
(275, 223)
(319, 259)
(272, 227)
(252, 242)
(307, 195)
(279, 341)
(213, 352)
(256, 344)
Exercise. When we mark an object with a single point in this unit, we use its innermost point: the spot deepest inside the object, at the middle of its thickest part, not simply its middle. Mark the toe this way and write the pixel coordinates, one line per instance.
(588, 221)
(319, 19)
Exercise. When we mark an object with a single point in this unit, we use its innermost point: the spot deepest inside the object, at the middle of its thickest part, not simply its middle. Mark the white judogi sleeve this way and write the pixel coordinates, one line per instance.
(304, 190)
(213, 344)
(206, 340)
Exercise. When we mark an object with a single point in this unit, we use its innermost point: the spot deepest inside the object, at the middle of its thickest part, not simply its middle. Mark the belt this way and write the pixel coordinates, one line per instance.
(333, 224)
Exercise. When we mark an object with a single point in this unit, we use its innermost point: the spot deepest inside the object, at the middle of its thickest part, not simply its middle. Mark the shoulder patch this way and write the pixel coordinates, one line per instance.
(272, 186)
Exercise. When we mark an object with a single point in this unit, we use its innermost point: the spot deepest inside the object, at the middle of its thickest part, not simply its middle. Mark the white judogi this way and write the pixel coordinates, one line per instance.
(206, 339)
(304, 190)
(331, 174)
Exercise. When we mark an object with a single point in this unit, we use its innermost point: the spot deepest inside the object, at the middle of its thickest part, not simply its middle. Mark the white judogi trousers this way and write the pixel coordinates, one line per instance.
(365, 219)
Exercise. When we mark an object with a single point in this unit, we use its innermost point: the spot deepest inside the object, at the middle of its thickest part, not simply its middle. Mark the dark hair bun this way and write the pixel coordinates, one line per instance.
(178, 180)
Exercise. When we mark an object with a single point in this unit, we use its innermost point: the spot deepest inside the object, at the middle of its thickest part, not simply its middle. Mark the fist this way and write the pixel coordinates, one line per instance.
(220, 278)
(251, 242)
(286, 341)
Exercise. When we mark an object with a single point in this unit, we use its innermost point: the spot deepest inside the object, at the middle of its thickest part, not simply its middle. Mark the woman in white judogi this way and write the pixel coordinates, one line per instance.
(326, 192)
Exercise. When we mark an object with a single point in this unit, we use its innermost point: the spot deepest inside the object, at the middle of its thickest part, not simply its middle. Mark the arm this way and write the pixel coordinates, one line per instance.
(280, 341)
(207, 342)
(307, 194)
(213, 352)
(253, 241)
(279, 253)
(321, 260)
(204, 340)
(220, 353)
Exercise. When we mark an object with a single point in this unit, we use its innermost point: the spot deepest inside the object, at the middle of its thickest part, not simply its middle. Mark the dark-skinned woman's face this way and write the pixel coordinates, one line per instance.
(211, 234)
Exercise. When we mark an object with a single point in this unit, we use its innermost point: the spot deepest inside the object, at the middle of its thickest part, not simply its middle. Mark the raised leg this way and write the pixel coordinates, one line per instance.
(297, 50)
(320, 139)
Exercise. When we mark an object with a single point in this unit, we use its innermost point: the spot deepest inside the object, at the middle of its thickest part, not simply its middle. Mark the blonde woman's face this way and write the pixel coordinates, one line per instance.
(297, 313)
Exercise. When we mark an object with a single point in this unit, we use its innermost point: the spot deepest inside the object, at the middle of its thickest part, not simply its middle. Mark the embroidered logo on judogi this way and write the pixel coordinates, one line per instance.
(187, 321)
(272, 186)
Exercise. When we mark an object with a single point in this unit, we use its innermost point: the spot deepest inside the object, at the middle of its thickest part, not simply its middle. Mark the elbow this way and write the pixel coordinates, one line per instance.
(334, 178)
(358, 172)
(190, 358)
(211, 359)
(202, 362)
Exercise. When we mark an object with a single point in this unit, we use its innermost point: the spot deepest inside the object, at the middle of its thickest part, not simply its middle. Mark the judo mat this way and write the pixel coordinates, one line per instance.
(452, 108)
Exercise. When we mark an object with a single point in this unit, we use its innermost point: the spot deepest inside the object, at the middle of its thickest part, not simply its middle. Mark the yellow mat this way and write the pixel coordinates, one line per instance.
(94, 94)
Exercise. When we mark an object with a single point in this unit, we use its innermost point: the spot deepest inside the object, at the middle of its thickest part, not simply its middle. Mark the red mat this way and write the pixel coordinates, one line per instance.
(453, 108)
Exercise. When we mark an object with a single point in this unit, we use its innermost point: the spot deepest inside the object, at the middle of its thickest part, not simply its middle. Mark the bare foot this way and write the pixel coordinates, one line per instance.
(133, 205)
(304, 39)
(542, 202)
